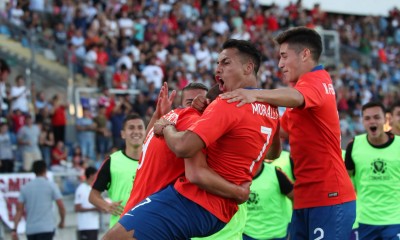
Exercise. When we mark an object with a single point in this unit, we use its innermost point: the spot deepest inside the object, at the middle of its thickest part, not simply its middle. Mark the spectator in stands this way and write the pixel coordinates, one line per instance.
(4, 72)
(106, 99)
(59, 154)
(120, 112)
(121, 78)
(86, 134)
(102, 132)
(40, 105)
(46, 142)
(60, 35)
(79, 162)
(36, 200)
(153, 73)
(19, 95)
(28, 143)
(6, 149)
(90, 67)
(88, 217)
(58, 118)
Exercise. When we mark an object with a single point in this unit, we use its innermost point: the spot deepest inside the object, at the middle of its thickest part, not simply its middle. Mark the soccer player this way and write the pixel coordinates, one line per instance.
(324, 198)
(191, 91)
(373, 159)
(234, 150)
(395, 119)
(269, 207)
(155, 173)
(117, 172)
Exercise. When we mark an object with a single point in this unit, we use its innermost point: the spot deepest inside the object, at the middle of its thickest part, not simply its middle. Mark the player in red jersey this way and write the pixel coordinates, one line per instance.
(159, 167)
(324, 199)
(234, 149)
(155, 172)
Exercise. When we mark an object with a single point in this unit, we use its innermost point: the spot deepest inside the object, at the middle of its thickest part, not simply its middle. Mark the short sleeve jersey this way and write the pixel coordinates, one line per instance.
(158, 165)
(236, 140)
(314, 137)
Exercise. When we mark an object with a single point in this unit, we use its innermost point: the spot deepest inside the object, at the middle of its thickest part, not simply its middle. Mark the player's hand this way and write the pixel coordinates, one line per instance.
(200, 103)
(243, 193)
(164, 101)
(14, 235)
(242, 96)
(61, 224)
(159, 126)
(115, 208)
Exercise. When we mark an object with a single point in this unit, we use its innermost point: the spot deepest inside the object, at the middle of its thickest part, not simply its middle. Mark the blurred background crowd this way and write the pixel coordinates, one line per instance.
(139, 44)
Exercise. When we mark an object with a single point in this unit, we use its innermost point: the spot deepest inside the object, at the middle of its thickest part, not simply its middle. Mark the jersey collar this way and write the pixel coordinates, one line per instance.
(318, 67)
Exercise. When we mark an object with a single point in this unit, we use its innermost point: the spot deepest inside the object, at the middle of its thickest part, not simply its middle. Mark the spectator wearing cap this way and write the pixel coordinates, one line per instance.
(6, 153)
(28, 143)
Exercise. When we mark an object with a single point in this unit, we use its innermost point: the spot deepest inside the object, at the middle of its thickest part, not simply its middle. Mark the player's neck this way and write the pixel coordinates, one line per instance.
(378, 140)
(133, 152)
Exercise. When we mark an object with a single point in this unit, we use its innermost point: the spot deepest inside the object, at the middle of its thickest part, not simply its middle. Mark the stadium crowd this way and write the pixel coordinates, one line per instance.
(128, 44)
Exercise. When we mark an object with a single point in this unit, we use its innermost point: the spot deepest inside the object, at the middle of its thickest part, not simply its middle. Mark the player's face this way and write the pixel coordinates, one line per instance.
(395, 119)
(134, 132)
(190, 94)
(229, 73)
(290, 64)
(373, 120)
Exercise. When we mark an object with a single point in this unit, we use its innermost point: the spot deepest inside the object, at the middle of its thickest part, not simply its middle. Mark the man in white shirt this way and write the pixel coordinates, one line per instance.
(87, 214)
(153, 74)
(19, 95)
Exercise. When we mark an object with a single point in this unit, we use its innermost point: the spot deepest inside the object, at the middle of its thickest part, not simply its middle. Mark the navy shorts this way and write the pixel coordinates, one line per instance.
(329, 222)
(384, 232)
(169, 215)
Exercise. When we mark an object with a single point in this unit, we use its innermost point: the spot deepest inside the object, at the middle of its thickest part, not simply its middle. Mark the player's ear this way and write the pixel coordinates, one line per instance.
(249, 68)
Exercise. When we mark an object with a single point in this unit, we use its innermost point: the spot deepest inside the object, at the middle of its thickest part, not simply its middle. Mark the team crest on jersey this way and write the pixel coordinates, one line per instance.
(378, 166)
(253, 198)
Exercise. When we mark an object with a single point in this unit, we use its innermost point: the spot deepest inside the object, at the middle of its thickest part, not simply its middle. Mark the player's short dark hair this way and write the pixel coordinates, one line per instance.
(131, 116)
(247, 49)
(371, 105)
(195, 85)
(213, 93)
(394, 105)
(39, 167)
(300, 38)
(90, 171)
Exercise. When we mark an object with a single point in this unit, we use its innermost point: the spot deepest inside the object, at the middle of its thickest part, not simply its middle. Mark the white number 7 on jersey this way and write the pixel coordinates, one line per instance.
(268, 132)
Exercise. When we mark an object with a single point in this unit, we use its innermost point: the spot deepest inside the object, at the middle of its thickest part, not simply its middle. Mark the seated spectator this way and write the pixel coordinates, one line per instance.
(121, 78)
(58, 154)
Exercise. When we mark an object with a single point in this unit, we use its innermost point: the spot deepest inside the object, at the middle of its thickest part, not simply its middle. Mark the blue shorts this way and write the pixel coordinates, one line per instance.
(384, 232)
(329, 222)
(169, 215)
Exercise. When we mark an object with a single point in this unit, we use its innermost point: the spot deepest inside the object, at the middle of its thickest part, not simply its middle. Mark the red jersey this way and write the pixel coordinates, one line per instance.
(237, 140)
(158, 165)
(314, 137)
